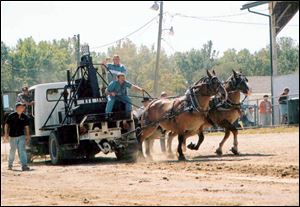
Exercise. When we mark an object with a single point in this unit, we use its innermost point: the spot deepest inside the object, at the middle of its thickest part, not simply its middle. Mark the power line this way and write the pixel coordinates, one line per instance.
(212, 19)
(219, 16)
(144, 30)
(205, 17)
(135, 31)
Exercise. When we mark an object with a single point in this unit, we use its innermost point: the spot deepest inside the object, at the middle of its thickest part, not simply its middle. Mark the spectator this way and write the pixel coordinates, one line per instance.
(283, 101)
(243, 119)
(163, 95)
(265, 110)
(138, 113)
(250, 116)
(25, 98)
(15, 125)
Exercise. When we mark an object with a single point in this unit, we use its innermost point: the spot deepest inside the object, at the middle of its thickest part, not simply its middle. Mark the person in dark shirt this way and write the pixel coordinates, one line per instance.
(283, 101)
(16, 124)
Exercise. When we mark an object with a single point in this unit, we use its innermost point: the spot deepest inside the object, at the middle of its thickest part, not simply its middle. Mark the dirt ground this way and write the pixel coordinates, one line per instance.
(266, 173)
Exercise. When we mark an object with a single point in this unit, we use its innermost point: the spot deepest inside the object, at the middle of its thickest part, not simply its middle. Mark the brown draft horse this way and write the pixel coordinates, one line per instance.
(225, 114)
(171, 114)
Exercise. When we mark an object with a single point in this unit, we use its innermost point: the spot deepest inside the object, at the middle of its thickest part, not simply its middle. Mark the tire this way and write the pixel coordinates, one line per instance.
(55, 150)
(128, 154)
(91, 149)
(90, 156)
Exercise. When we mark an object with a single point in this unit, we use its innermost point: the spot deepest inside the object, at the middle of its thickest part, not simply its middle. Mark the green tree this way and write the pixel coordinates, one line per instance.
(194, 62)
(288, 55)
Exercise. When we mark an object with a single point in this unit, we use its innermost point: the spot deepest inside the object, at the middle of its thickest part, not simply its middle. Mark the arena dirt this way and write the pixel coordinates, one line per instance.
(266, 173)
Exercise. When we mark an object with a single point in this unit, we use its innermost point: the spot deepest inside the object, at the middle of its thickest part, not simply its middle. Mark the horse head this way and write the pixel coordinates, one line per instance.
(210, 86)
(237, 81)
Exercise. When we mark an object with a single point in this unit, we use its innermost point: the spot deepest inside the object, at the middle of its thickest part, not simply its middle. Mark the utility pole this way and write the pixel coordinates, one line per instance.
(156, 73)
(272, 37)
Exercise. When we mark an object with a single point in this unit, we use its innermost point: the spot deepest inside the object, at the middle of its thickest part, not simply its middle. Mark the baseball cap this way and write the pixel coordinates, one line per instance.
(20, 104)
(121, 74)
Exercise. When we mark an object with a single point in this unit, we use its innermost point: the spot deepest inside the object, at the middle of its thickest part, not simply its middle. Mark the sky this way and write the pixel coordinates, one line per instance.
(99, 23)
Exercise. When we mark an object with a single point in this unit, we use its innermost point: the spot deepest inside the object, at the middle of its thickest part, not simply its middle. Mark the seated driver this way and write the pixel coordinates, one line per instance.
(117, 90)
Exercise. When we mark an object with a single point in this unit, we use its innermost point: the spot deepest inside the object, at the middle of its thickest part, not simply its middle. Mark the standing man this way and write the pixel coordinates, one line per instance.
(138, 113)
(25, 98)
(283, 101)
(265, 110)
(15, 125)
(115, 68)
(163, 95)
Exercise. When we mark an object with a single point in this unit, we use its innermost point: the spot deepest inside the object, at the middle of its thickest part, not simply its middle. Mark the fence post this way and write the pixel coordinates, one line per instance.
(257, 111)
(287, 117)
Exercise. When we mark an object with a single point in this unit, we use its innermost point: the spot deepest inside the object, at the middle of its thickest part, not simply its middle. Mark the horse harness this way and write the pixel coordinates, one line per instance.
(218, 105)
(189, 104)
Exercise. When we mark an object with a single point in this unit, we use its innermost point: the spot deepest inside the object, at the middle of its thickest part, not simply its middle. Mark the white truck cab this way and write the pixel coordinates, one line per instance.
(45, 97)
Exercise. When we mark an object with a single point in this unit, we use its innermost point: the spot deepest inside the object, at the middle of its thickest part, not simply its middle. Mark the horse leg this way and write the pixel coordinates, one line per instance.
(192, 146)
(184, 145)
(230, 127)
(143, 135)
(179, 148)
(219, 150)
(169, 144)
(148, 145)
(234, 149)
(140, 139)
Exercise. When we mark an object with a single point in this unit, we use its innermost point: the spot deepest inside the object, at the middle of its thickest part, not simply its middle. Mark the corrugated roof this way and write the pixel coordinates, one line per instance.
(251, 4)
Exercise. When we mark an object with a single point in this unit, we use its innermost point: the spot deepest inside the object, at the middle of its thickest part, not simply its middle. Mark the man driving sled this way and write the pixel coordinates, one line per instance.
(117, 90)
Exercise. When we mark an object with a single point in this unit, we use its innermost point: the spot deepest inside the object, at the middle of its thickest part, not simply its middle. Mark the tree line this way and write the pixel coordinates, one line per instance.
(31, 62)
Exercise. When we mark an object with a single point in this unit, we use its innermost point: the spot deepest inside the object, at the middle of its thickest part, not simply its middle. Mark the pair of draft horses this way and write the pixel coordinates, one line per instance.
(208, 102)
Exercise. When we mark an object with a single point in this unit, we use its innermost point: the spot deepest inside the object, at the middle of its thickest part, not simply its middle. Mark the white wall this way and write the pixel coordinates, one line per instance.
(291, 81)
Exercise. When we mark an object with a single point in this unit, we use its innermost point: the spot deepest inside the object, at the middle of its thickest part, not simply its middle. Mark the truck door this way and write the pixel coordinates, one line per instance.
(8, 100)
(30, 113)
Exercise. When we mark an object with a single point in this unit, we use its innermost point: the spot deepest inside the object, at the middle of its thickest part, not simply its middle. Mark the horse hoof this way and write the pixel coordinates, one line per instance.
(170, 156)
(191, 146)
(150, 158)
(234, 151)
(219, 152)
(181, 158)
(141, 157)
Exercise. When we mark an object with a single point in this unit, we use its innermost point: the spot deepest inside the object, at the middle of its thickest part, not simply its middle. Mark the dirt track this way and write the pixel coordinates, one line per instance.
(267, 173)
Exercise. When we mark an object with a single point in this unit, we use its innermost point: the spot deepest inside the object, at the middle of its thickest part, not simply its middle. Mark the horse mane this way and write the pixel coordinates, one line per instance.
(202, 80)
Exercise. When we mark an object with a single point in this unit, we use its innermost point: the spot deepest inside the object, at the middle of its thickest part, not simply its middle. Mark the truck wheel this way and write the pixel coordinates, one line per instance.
(55, 150)
(90, 156)
(129, 154)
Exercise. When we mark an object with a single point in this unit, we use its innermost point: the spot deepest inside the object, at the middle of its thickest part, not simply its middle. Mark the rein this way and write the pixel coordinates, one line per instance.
(194, 101)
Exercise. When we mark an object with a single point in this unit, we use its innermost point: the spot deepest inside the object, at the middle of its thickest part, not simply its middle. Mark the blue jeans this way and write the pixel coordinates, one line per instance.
(111, 101)
(17, 143)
